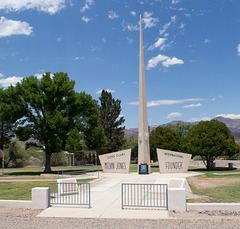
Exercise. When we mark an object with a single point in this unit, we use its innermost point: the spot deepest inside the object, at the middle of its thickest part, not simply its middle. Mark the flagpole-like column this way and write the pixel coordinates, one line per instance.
(143, 132)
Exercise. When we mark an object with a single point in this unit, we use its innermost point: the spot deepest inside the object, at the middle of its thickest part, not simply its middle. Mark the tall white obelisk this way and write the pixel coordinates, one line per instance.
(143, 133)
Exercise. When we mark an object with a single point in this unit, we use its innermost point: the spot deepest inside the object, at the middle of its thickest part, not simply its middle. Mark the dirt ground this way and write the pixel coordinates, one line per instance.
(25, 212)
(202, 182)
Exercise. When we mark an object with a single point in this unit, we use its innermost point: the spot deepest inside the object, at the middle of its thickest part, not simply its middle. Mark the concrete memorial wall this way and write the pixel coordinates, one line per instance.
(173, 162)
(117, 162)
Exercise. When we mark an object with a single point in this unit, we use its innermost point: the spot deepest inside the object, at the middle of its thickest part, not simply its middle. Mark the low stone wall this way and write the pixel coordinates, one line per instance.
(213, 206)
(15, 204)
(39, 200)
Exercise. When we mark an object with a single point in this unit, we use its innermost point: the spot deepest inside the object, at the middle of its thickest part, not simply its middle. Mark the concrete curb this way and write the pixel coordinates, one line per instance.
(213, 206)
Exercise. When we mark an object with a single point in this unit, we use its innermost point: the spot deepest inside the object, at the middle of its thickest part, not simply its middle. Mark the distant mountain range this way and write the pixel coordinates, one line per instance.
(232, 124)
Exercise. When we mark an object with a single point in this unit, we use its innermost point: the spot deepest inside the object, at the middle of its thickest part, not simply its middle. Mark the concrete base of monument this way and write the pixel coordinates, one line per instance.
(106, 198)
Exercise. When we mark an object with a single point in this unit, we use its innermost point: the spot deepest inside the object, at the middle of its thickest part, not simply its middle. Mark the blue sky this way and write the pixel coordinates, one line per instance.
(191, 52)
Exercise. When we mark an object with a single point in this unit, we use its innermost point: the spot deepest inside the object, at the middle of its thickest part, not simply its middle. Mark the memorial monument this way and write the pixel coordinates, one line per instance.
(172, 161)
(117, 162)
(144, 166)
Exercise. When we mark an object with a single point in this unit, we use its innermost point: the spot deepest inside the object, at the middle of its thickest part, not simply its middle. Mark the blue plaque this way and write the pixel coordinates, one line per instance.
(143, 169)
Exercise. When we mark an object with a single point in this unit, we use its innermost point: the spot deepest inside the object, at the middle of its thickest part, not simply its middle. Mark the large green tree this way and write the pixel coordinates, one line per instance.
(164, 138)
(56, 115)
(210, 139)
(111, 121)
(9, 113)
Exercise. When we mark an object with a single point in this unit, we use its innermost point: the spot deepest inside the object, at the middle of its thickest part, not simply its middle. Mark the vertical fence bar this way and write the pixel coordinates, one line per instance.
(89, 195)
(122, 195)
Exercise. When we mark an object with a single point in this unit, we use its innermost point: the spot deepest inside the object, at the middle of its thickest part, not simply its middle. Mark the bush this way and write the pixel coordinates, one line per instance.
(15, 156)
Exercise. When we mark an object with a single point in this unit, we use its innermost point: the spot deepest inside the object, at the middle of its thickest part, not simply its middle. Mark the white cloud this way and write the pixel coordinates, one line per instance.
(192, 105)
(166, 61)
(104, 40)
(108, 90)
(153, 62)
(133, 13)
(215, 98)
(129, 26)
(182, 26)
(46, 6)
(87, 5)
(10, 81)
(199, 119)
(9, 27)
(154, 103)
(172, 61)
(206, 41)
(174, 115)
(1, 75)
(78, 58)
(148, 20)
(130, 40)
(167, 25)
(175, 1)
(59, 39)
(231, 116)
(112, 14)
(86, 19)
(39, 75)
(159, 43)
(238, 49)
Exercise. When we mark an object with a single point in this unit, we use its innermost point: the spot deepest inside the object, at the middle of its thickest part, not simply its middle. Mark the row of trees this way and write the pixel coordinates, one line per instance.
(51, 114)
(207, 139)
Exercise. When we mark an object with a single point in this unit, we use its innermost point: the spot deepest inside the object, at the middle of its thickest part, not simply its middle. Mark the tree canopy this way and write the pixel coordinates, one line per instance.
(56, 115)
(210, 139)
(111, 121)
(164, 138)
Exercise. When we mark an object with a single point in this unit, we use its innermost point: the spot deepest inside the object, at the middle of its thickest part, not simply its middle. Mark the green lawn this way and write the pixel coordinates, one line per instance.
(222, 173)
(224, 194)
(22, 190)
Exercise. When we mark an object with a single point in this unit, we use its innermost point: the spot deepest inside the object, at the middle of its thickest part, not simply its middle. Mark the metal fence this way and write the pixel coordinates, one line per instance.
(69, 194)
(145, 195)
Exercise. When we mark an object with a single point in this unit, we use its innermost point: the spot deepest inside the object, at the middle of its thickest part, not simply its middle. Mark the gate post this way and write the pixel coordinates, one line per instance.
(40, 197)
(177, 194)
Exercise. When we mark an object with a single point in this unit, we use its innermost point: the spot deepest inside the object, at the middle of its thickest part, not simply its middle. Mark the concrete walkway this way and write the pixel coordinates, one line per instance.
(106, 198)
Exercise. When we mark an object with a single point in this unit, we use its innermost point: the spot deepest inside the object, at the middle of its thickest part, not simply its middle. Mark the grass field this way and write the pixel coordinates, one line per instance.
(224, 192)
(220, 186)
(22, 190)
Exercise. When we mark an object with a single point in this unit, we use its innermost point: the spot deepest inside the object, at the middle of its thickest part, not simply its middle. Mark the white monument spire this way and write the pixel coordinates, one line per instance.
(143, 133)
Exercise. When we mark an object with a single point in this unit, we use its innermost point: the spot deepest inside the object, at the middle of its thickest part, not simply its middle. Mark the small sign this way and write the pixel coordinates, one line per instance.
(143, 169)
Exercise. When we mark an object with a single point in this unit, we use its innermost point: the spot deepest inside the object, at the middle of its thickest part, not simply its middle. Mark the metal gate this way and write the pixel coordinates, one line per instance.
(69, 194)
(145, 195)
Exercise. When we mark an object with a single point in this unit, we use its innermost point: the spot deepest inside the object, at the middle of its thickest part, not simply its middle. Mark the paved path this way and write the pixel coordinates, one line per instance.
(106, 198)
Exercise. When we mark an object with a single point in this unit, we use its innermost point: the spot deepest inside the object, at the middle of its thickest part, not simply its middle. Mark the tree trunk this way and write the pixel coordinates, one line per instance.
(209, 164)
(48, 163)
